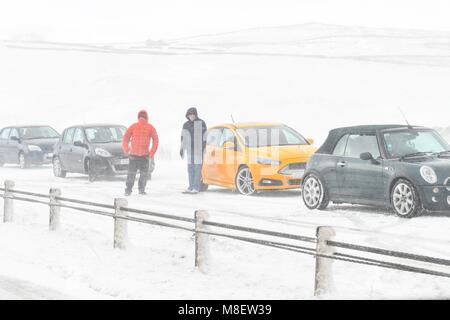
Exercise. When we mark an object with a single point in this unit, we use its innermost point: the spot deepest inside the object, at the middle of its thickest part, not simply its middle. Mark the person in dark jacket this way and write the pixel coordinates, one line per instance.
(193, 142)
(139, 135)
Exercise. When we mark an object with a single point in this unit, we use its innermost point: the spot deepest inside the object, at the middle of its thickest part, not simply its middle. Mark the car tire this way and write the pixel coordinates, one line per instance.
(405, 200)
(23, 161)
(203, 187)
(57, 168)
(244, 181)
(90, 171)
(314, 194)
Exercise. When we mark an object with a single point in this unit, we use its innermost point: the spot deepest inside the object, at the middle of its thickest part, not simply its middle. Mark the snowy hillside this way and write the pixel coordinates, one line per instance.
(312, 77)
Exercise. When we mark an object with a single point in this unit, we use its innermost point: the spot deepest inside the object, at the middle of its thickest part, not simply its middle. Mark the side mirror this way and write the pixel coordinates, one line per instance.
(310, 140)
(80, 144)
(14, 138)
(366, 156)
(229, 145)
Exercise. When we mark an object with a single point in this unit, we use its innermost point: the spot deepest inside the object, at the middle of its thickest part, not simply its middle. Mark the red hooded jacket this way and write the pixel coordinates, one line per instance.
(140, 134)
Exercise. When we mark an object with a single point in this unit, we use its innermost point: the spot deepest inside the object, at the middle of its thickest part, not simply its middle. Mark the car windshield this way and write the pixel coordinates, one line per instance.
(270, 136)
(414, 142)
(38, 133)
(105, 134)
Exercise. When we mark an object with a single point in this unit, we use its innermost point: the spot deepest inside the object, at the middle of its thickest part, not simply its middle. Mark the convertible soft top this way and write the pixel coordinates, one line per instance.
(338, 133)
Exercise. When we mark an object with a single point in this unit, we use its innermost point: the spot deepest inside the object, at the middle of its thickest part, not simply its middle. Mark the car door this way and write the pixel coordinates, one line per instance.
(227, 167)
(13, 146)
(76, 153)
(211, 160)
(361, 181)
(65, 147)
(4, 136)
(329, 166)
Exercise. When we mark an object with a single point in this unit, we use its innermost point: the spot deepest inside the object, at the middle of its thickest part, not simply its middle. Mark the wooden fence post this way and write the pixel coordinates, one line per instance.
(120, 225)
(201, 241)
(55, 209)
(8, 212)
(324, 275)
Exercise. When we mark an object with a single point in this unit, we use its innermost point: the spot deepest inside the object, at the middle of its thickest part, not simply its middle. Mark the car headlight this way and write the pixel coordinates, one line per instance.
(102, 152)
(268, 161)
(428, 174)
(34, 148)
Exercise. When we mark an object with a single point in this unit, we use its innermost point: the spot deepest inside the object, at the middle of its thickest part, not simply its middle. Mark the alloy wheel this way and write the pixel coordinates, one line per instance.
(244, 182)
(403, 199)
(312, 192)
(22, 161)
(57, 170)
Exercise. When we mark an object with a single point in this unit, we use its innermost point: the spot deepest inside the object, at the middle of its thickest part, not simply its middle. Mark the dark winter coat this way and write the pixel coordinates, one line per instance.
(193, 138)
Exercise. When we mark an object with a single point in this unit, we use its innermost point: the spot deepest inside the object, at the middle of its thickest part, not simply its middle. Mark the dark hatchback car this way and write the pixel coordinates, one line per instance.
(401, 167)
(27, 145)
(94, 150)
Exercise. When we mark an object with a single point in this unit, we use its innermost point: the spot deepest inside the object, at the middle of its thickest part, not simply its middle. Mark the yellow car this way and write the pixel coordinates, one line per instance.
(255, 156)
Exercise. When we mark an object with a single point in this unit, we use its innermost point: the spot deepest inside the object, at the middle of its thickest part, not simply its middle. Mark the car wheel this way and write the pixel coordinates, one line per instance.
(314, 194)
(57, 168)
(90, 171)
(244, 181)
(203, 187)
(23, 162)
(405, 199)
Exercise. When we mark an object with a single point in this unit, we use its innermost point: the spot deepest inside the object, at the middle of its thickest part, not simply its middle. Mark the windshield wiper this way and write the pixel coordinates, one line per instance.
(414, 154)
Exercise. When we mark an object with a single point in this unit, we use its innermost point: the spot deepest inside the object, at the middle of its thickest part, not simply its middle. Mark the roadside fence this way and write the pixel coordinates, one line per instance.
(322, 247)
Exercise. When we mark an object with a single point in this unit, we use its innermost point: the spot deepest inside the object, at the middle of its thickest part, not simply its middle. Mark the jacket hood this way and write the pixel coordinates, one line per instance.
(144, 113)
(192, 110)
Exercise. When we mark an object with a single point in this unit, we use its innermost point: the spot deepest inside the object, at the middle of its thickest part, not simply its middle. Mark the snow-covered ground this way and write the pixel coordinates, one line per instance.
(275, 74)
(79, 261)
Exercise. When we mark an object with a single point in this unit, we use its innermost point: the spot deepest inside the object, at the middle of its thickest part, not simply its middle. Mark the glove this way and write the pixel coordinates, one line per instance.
(181, 153)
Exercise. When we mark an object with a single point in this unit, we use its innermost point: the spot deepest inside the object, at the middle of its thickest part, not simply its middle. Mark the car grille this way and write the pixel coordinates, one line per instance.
(121, 167)
(447, 183)
(47, 148)
(295, 182)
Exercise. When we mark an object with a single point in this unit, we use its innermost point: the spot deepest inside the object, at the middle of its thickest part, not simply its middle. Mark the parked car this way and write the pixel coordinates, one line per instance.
(93, 150)
(249, 157)
(27, 145)
(401, 167)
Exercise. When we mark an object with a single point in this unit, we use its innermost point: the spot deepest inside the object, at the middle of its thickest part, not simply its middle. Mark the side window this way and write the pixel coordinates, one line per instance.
(213, 137)
(68, 135)
(5, 133)
(339, 149)
(227, 135)
(78, 135)
(358, 144)
(14, 133)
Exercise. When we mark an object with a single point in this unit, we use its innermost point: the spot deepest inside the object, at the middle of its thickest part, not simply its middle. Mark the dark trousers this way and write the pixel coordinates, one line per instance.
(141, 164)
(195, 176)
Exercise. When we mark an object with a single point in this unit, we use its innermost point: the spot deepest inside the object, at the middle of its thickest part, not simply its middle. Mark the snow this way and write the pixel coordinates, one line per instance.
(79, 260)
(276, 74)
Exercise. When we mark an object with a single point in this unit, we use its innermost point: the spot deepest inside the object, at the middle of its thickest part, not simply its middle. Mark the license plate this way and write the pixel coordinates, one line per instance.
(124, 161)
(49, 155)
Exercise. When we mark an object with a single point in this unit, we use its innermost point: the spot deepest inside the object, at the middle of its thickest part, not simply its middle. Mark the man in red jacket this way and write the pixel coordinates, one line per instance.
(139, 135)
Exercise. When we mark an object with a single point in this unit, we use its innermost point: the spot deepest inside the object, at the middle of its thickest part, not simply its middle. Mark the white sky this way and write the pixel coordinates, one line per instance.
(131, 20)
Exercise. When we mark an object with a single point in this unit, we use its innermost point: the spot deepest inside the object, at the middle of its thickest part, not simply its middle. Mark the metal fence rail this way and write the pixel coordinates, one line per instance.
(323, 252)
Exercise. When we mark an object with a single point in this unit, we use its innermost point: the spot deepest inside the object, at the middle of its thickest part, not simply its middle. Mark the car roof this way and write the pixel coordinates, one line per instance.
(28, 126)
(91, 125)
(336, 134)
(248, 125)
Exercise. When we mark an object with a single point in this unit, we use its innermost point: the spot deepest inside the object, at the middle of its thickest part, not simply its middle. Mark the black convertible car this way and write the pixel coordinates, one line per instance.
(402, 167)
(94, 150)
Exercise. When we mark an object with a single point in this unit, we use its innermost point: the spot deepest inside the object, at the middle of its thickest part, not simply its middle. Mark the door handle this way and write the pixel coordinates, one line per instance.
(342, 164)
